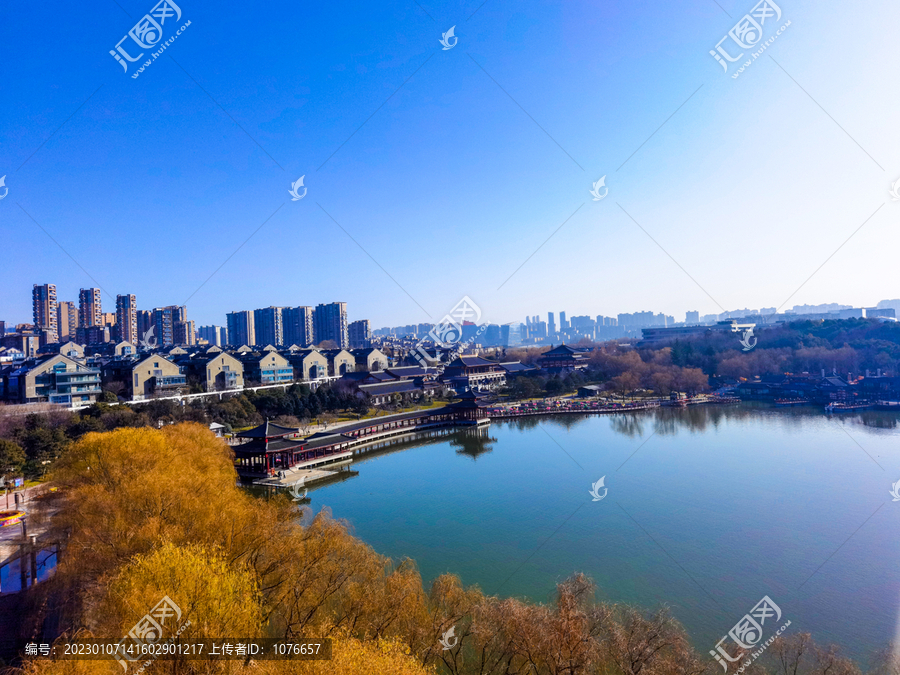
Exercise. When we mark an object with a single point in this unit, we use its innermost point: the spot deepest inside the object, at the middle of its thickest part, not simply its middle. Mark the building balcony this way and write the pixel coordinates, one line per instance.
(78, 383)
(169, 382)
(66, 390)
(78, 378)
(81, 372)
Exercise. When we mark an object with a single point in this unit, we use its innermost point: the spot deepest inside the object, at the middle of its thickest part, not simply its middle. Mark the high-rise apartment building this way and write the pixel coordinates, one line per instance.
(164, 321)
(95, 335)
(43, 302)
(358, 334)
(126, 319)
(297, 323)
(536, 329)
(583, 325)
(241, 329)
(331, 323)
(184, 333)
(214, 335)
(163, 326)
(551, 323)
(67, 320)
(563, 324)
(144, 321)
(90, 313)
(269, 326)
(692, 318)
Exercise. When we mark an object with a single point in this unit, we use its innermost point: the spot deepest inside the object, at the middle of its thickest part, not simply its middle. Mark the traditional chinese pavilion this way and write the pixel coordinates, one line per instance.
(470, 408)
(269, 448)
(562, 359)
(473, 372)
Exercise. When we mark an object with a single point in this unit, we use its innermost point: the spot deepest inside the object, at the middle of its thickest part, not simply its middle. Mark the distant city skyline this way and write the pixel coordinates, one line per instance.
(129, 306)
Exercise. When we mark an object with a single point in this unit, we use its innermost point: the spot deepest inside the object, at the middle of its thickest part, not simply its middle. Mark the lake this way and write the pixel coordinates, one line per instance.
(708, 509)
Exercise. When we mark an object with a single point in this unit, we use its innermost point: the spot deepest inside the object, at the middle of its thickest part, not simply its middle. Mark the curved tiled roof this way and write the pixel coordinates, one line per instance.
(268, 430)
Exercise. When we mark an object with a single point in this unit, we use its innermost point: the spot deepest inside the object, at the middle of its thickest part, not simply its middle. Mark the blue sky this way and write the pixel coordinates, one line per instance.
(464, 172)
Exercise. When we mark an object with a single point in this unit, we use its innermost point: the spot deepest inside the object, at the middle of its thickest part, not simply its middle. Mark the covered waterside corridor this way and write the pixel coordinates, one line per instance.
(272, 451)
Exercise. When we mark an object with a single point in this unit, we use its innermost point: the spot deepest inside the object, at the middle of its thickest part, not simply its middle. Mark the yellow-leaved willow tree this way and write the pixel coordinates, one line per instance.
(149, 513)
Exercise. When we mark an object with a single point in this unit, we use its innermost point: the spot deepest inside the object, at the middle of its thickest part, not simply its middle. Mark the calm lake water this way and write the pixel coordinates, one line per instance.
(708, 509)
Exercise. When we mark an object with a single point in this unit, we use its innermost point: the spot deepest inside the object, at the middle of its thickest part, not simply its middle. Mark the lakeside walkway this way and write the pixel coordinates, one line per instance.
(570, 407)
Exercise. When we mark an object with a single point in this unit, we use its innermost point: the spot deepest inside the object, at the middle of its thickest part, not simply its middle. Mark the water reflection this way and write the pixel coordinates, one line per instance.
(564, 420)
(629, 425)
(472, 442)
(700, 418)
(877, 420)
(23, 572)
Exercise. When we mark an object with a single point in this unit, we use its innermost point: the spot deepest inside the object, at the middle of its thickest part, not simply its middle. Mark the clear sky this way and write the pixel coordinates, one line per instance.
(433, 173)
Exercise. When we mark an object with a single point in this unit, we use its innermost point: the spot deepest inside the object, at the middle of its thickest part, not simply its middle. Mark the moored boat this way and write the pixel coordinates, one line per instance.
(849, 407)
(783, 402)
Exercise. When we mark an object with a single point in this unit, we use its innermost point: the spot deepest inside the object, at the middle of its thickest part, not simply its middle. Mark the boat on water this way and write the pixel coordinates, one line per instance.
(785, 402)
(849, 407)
(723, 399)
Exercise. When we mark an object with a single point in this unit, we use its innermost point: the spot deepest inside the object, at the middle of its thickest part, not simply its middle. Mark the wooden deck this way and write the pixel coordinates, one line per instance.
(305, 477)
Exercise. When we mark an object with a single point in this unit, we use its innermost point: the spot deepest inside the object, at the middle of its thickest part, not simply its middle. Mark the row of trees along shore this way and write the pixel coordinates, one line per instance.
(842, 346)
(30, 443)
(147, 513)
